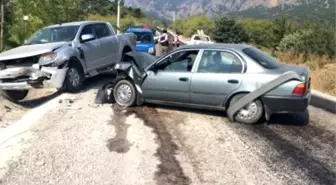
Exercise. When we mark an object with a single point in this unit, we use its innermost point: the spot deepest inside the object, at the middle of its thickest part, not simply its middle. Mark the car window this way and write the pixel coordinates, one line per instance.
(219, 62)
(197, 38)
(261, 58)
(179, 62)
(102, 30)
(53, 34)
(87, 30)
(144, 37)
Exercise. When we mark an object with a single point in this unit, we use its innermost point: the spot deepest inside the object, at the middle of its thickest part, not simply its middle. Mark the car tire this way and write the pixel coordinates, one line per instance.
(74, 78)
(251, 113)
(124, 93)
(15, 95)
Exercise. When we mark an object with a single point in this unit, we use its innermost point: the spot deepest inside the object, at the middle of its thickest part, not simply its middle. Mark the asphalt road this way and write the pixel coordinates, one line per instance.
(75, 141)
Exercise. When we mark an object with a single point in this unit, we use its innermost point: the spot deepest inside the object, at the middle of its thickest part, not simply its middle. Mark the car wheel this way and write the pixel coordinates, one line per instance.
(74, 78)
(124, 93)
(249, 114)
(14, 95)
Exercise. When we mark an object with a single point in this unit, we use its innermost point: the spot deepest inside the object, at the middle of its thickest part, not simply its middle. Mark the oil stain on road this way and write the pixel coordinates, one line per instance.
(169, 171)
(119, 143)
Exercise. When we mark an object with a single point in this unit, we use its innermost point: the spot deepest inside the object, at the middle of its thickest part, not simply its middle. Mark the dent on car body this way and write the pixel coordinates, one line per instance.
(263, 89)
(133, 69)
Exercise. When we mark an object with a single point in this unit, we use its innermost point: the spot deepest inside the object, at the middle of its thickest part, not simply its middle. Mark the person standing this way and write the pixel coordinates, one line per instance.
(176, 42)
(163, 43)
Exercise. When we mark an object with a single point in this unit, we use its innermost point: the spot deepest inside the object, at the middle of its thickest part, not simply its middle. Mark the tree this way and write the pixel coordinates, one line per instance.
(190, 25)
(282, 27)
(227, 30)
(260, 32)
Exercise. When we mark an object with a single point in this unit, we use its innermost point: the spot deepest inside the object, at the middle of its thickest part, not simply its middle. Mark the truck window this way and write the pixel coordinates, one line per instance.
(102, 30)
(197, 38)
(53, 34)
(87, 30)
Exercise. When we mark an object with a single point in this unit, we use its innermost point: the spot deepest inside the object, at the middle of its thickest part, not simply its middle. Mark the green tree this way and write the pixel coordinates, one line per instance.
(260, 32)
(227, 30)
(190, 25)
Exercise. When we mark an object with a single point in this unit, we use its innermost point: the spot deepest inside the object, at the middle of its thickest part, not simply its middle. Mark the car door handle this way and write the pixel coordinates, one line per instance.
(232, 81)
(183, 79)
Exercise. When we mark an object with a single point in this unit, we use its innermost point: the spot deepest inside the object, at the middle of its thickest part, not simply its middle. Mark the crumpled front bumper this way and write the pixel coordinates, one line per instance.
(32, 77)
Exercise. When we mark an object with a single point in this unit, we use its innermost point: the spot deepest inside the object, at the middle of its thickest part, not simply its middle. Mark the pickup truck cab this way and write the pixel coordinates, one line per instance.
(145, 39)
(62, 56)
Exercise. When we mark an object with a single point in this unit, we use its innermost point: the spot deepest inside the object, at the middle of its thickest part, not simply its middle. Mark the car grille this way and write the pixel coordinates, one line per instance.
(24, 62)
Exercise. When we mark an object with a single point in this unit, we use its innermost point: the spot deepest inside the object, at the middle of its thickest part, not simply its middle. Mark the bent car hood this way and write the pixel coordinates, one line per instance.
(142, 60)
(30, 50)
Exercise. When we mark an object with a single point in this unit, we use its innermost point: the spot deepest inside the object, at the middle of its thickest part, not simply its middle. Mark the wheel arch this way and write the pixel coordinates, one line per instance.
(123, 76)
(228, 100)
(75, 61)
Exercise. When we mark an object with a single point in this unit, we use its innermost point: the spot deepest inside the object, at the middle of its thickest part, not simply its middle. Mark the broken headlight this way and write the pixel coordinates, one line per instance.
(47, 58)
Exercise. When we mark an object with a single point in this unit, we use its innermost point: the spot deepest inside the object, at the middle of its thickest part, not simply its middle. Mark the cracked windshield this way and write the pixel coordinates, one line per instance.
(174, 92)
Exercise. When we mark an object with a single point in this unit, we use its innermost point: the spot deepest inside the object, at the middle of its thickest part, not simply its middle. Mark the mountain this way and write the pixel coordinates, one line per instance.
(318, 10)
(183, 8)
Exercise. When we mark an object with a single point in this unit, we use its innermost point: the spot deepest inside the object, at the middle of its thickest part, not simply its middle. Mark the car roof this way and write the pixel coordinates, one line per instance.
(216, 46)
(79, 23)
(140, 30)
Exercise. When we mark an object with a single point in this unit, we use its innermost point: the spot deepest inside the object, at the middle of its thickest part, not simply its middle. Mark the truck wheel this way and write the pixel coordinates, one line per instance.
(14, 95)
(124, 93)
(74, 78)
(249, 114)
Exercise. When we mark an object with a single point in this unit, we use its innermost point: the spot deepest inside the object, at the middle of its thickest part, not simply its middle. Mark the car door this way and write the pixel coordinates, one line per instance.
(219, 72)
(90, 49)
(108, 45)
(170, 81)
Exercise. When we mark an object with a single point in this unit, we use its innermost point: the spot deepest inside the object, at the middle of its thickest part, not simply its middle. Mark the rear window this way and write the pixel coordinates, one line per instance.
(262, 58)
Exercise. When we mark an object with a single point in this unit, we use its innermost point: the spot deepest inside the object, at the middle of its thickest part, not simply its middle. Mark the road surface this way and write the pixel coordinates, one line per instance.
(71, 140)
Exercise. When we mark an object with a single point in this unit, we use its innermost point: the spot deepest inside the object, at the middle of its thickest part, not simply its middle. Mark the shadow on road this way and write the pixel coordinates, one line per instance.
(297, 119)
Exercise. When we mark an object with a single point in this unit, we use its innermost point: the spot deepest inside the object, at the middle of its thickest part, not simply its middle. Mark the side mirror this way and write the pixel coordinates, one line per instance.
(87, 37)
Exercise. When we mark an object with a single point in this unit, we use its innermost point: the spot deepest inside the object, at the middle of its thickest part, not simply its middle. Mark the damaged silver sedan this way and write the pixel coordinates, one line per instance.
(62, 56)
(237, 78)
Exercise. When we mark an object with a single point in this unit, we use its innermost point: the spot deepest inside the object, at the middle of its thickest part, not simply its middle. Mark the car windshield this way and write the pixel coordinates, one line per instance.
(262, 58)
(53, 34)
(143, 37)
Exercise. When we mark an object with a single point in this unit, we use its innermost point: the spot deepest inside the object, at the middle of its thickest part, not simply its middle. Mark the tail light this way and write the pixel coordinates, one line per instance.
(300, 89)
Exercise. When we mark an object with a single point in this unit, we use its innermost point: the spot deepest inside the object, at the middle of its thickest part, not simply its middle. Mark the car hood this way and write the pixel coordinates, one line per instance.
(30, 50)
(142, 60)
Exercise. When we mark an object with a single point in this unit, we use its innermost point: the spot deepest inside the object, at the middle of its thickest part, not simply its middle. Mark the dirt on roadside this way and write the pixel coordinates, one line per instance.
(11, 112)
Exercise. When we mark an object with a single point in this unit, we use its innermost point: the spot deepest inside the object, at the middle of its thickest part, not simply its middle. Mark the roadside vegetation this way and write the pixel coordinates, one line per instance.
(303, 43)
(43, 13)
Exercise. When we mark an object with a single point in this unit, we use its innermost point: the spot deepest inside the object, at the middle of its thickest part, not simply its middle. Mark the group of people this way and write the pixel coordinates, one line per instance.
(163, 45)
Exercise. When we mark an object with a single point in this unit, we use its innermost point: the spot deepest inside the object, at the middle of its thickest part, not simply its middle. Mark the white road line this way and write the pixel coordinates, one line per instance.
(28, 120)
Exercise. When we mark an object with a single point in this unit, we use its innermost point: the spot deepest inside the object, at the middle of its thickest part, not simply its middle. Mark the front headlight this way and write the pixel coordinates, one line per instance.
(47, 58)
(151, 50)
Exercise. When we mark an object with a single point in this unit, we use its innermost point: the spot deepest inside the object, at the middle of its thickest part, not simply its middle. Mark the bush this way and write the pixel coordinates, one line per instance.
(227, 30)
(189, 26)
